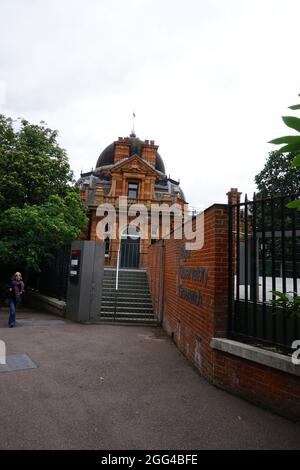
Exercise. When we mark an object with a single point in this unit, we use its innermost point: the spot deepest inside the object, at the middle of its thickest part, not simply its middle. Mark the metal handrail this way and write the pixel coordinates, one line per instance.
(118, 267)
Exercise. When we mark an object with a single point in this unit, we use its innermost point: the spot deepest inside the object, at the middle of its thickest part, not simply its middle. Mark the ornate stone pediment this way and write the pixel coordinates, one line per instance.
(135, 164)
(135, 167)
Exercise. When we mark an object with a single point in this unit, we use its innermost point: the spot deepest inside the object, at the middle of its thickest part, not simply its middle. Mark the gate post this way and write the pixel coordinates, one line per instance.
(233, 225)
(86, 270)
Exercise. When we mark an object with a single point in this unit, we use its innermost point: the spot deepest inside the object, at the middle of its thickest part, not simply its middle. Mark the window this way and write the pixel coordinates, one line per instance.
(133, 189)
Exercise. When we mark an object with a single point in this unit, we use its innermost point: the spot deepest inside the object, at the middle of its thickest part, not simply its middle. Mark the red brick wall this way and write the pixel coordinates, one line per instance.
(192, 326)
(260, 384)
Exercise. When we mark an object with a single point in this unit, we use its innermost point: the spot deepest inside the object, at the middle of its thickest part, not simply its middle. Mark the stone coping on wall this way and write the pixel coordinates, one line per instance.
(255, 354)
(48, 303)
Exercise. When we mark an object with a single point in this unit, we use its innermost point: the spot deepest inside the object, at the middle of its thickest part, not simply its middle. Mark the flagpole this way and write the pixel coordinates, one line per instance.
(133, 118)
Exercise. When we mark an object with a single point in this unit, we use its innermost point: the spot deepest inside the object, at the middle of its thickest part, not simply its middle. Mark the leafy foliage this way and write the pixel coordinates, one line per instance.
(40, 207)
(29, 233)
(32, 165)
(277, 174)
(288, 303)
(292, 144)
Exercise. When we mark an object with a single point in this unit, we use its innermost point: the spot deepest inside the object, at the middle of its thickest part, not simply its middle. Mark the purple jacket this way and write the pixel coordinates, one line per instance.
(17, 288)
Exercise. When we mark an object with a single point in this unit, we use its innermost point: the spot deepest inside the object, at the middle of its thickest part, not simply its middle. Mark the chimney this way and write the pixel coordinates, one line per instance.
(122, 148)
(149, 152)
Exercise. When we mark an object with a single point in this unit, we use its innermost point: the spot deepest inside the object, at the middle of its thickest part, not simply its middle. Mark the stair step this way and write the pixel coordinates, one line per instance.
(131, 290)
(128, 321)
(125, 300)
(131, 303)
(125, 281)
(126, 315)
(126, 276)
(124, 311)
(126, 273)
(124, 308)
(130, 296)
(125, 270)
(124, 287)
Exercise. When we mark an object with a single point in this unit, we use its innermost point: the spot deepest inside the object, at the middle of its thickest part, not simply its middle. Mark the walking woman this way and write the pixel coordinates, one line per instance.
(16, 289)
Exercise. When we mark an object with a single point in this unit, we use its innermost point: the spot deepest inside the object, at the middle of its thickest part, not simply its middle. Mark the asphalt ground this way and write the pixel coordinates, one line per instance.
(120, 387)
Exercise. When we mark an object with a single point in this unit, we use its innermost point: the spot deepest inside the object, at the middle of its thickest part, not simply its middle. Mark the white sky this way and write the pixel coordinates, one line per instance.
(208, 80)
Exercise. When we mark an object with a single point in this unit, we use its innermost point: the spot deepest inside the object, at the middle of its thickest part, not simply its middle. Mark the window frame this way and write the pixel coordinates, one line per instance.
(136, 184)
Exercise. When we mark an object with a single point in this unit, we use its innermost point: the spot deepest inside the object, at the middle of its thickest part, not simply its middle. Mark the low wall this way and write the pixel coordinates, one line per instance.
(189, 291)
(45, 303)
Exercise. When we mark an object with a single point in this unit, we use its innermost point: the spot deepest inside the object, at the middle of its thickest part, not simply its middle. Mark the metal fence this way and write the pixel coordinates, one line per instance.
(53, 278)
(264, 256)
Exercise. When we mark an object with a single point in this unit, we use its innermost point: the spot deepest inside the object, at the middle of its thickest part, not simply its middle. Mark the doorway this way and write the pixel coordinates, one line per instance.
(130, 248)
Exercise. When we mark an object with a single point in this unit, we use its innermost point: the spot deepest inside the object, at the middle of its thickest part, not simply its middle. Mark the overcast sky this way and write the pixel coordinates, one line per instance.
(208, 79)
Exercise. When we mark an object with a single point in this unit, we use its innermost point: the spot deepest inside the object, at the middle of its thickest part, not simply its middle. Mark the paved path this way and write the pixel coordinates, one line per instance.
(119, 387)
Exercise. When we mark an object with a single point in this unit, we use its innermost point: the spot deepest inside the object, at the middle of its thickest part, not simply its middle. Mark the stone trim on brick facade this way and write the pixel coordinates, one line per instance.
(255, 354)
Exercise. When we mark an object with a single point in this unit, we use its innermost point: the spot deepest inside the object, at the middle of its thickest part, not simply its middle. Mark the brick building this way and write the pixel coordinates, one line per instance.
(133, 168)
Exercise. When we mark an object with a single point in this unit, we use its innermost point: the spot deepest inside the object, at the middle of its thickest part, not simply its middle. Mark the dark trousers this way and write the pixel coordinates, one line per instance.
(12, 312)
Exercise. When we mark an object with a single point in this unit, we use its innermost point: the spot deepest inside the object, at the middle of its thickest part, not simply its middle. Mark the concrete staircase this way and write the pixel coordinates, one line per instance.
(131, 303)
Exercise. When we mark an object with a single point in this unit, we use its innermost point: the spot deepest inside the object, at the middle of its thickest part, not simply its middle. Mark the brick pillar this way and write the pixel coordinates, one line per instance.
(220, 234)
(234, 198)
(234, 195)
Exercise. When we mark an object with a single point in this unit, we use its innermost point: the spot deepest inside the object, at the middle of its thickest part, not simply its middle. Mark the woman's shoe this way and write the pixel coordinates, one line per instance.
(11, 326)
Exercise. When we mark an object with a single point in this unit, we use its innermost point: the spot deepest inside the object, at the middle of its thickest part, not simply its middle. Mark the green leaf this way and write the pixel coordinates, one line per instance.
(292, 122)
(289, 148)
(296, 161)
(295, 106)
(288, 139)
(294, 204)
(281, 295)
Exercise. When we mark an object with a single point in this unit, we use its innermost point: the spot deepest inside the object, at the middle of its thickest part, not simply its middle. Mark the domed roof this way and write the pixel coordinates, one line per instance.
(107, 156)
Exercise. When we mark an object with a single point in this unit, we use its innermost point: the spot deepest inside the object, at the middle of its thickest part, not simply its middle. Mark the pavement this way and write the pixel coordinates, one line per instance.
(120, 387)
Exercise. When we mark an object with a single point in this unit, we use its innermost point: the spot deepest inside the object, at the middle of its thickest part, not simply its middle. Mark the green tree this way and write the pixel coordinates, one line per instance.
(278, 175)
(40, 207)
(32, 233)
(32, 165)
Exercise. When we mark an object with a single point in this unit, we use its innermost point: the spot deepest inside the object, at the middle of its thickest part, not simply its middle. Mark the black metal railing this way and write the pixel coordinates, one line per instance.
(264, 256)
(53, 278)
